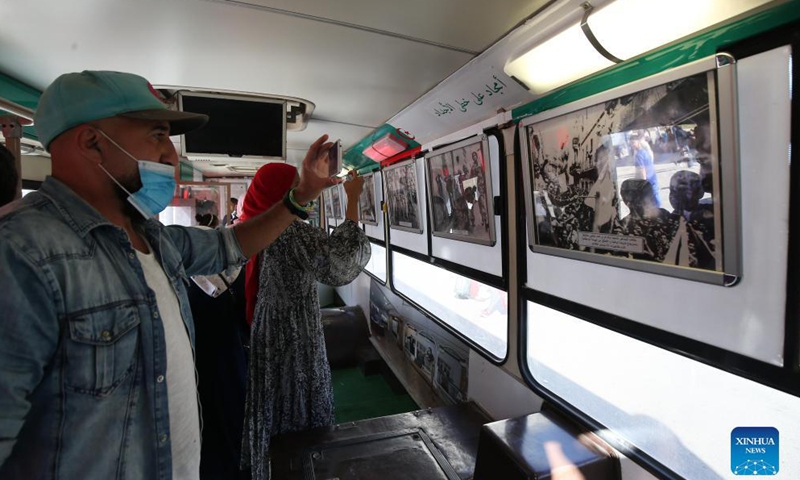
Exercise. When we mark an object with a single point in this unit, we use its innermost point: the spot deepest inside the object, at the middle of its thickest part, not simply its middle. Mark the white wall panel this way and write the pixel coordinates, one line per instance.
(749, 317)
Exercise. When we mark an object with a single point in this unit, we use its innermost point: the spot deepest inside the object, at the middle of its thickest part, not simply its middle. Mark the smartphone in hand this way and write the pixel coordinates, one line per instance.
(335, 159)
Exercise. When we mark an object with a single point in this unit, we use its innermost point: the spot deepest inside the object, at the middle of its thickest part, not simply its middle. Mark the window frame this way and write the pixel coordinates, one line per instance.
(499, 283)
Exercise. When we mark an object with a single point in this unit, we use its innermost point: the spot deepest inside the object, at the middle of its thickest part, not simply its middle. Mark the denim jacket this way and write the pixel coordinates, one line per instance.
(82, 353)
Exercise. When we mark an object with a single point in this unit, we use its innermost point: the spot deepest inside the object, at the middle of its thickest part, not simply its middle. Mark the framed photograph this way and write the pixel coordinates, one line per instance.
(425, 360)
(461, 203)
(451, 377)
(368, 201)
(402, 194)
(396, 325)
(636, 177)
(336, 202)
(326, 199)
(410, 342)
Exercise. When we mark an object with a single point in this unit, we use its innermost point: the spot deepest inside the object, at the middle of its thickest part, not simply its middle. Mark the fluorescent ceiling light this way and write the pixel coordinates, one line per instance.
(628, 28)
(558, 61)
(625, 29)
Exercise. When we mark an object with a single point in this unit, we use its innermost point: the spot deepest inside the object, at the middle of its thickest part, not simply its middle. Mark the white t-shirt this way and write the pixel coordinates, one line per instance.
(184, 418)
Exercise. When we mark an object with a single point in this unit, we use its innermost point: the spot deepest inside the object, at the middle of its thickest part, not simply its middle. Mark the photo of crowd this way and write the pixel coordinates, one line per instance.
(634, 177)
(451, 375)
(336, 201)
(326, 197)
(410, 342)
(461, 196)
(403, 197)
(367, 202)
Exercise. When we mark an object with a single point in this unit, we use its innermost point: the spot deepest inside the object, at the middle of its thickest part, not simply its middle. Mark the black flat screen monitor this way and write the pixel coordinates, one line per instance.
(237, 127)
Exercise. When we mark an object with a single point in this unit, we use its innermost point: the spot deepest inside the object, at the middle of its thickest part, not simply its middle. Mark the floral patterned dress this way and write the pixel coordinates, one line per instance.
(289, 381)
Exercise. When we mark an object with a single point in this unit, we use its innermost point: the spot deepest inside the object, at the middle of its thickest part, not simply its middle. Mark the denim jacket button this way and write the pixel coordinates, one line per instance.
(155, 314)
(162, 438)
(131, 255)
(160, 379)
(106, 335)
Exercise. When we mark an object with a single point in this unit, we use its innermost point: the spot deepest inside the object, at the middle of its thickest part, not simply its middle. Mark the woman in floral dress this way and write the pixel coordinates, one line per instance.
(289, 381)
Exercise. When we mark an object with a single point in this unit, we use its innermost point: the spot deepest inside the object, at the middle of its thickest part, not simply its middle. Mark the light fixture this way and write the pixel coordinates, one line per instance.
(558, 61)
(620, 30)
(385, 147)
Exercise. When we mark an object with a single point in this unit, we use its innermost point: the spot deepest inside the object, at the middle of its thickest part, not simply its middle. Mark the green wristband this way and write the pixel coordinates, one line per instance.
(305, 208)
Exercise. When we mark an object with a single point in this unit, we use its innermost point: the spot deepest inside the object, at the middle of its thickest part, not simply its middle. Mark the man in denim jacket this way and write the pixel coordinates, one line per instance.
(96, 368)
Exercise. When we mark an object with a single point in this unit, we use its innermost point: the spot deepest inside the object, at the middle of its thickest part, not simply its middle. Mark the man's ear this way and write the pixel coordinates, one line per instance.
(89, 143)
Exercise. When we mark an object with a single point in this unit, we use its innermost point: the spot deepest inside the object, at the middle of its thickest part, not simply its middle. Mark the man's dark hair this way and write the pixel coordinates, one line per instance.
(234, 200)
(8, 176)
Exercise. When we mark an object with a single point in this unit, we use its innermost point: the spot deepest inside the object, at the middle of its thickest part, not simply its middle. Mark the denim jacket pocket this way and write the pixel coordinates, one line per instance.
(101, 350)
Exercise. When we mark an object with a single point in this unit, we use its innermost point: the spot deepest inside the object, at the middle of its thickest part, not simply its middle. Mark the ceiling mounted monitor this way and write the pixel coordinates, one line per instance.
(238, 127)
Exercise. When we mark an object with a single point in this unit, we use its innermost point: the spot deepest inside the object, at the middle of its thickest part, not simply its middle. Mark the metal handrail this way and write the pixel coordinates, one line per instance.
(16, 109)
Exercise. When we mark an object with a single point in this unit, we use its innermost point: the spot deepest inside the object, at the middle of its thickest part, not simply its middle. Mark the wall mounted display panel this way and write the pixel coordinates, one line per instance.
(635, 177)
(326, 199)
(374, 230)
(457, 249)
(461, 202)
(403, 194)
(338, 199)
(410, 342)
(368, 204)
(405, 197)
(748, 318)
(425, 360)
(452, 375)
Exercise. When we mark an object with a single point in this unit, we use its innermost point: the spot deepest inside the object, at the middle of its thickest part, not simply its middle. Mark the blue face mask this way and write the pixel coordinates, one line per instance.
(158, 185)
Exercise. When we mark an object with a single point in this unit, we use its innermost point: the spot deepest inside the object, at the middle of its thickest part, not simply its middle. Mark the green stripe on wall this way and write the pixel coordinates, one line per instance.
(698, 47)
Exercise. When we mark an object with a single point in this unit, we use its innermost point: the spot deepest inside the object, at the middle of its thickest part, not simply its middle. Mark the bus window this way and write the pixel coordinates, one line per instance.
(477, 311)
(672, 408)
(377, 262)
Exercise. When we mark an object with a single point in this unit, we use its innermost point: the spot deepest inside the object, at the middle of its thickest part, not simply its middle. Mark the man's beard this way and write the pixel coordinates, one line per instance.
(133, 184)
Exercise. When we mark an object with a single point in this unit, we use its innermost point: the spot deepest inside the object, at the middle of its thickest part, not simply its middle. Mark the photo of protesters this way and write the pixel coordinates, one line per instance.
(461, 196)
(326, 195)
(403, 197)
(336, 202)
(632, 177)
(367, 202)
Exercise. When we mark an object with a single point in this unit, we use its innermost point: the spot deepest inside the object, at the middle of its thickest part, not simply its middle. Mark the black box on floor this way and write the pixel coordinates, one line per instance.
(523, 448)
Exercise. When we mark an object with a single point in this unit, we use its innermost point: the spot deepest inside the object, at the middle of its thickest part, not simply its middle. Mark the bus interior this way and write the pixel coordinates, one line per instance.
(540, 302)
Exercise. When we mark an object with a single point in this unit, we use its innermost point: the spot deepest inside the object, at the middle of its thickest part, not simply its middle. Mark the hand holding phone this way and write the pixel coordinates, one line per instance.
(335, 159)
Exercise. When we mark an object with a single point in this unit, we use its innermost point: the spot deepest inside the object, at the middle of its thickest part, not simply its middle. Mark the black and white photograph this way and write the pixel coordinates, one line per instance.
(635, 177)
(380, 309)
(336, 201)
(396, 325)
(326, 197)
(367, 202)
(402, 193)
(460, 203)
(410, 342)
(426, 354)
(451, 378)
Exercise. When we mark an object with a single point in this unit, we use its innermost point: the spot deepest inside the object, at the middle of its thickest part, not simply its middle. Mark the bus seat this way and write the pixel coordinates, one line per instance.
(346, 334)
(514, 449)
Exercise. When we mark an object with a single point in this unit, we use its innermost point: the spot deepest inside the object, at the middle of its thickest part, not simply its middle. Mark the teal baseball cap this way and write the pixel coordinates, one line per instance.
(77, 98)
